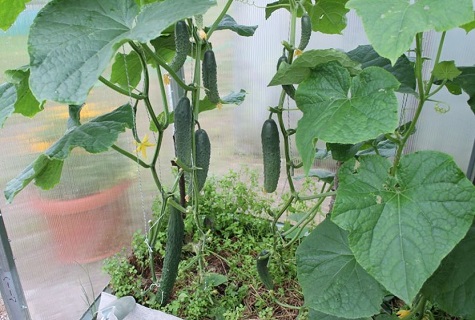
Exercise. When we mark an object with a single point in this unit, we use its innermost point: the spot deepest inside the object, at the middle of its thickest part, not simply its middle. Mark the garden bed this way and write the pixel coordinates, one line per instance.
(217, 276)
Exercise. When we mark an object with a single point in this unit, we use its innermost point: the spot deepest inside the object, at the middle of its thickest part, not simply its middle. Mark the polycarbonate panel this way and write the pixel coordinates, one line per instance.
(59, 257)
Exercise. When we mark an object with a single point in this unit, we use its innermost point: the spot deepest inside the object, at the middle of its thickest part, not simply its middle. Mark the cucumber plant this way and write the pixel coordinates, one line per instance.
(397, 221)
(146, 29)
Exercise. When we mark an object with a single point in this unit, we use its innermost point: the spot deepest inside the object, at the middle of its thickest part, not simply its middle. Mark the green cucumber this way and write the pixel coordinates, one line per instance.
(183, 134)
(203, 154)
(288, 88)
(175, 236)
(271, 154)
(182, 45)
(305, 31)
(210, 78)
(263, 271)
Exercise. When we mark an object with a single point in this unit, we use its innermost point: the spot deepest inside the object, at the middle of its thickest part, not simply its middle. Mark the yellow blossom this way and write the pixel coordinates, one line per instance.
(297, 52)
(142, 146)
(166, 79)
(403, 313)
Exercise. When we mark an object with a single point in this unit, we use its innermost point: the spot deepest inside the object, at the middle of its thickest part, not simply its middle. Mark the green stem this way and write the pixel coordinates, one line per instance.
(158, 147)
(317, 196)
(218, 19)
(424, 93)
(120, 90)
(420, 308)
(130, 156)
(165, 66)
(164, 98)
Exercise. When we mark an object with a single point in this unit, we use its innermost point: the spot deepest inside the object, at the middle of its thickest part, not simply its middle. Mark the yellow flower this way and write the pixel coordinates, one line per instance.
(297, 52)
(166, 79)
(142, 146)
(403, 313)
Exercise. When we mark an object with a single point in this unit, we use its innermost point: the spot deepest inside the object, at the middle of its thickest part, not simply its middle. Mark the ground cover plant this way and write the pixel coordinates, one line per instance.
(235, 215)
(399, 229)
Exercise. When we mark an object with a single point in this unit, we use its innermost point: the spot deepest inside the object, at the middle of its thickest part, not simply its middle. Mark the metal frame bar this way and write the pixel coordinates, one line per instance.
(471, 165)
(10, 285)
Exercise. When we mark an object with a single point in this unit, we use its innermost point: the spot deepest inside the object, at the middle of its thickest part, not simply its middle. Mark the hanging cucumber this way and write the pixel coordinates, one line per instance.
(203, 153)
(263, 271)
(305, 31)
(271, 154)
(175, 236)
(209, 75)
(182, 45)
(288, 88)
(183, 133)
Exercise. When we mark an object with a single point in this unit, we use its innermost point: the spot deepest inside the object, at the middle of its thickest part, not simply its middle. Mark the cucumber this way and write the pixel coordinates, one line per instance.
(183, 134)
(175, 236)
(263, 271)
(271, 154)
(182, 45)
(305, 31)
(288, 88)
(203, 154)
(209, 75)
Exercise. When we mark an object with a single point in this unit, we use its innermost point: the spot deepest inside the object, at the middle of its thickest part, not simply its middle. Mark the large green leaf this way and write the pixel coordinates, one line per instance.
(26, 103)
(403, 69)
(328, 16)
(7, 101)
(452, 286)
(302, 67)
(340, 109)
(392, 25)
(10, 9)
(402, 227)
(331, 279)
(95, 136)
(72, 41)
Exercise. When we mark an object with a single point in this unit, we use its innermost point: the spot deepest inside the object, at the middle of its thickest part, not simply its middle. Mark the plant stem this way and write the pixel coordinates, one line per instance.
(165, 66)
(120, 90)
(130, 156)
(218, 19)
(316, 196)
(164, 98)
(424, 93)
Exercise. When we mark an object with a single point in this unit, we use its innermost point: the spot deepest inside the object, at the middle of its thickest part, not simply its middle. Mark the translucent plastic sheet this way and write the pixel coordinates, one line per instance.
(59, 246)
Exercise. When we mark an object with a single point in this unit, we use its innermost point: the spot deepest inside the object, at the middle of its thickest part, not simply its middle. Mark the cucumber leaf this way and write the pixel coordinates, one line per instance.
(466, 82)
(228, 23)
(452, 286)
(7, 101)
(328, 16)
(401, 227)
(382, 21)
(10, 11)
(332, 280)
(87, 33)
(446, 70)
(126, 70)
(95, 136)
(340, 109)
(403, 69)
(302, 67)
(26, 103)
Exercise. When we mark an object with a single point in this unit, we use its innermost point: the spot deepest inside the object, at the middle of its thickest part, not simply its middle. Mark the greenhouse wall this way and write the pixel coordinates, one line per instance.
(60, 264)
